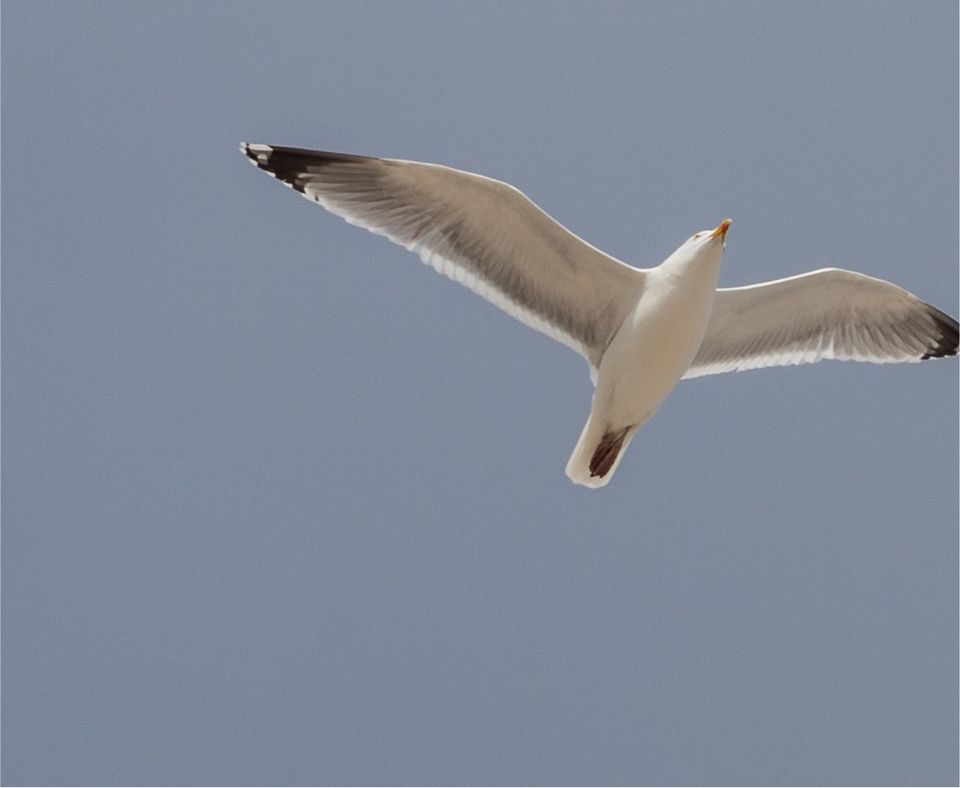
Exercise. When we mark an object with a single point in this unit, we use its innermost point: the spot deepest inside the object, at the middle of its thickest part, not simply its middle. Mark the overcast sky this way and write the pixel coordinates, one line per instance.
(281, 505)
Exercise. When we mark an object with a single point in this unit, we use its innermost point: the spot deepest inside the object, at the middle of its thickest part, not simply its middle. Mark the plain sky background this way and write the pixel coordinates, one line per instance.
(282, 505)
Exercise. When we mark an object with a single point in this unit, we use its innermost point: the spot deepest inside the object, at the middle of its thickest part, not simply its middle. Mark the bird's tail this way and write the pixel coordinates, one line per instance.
(598, 453)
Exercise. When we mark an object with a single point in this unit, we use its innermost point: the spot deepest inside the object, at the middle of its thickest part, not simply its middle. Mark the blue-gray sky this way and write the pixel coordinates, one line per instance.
(281, 505)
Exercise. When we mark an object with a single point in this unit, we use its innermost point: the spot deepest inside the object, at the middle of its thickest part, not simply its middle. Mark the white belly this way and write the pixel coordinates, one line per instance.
(653, 348)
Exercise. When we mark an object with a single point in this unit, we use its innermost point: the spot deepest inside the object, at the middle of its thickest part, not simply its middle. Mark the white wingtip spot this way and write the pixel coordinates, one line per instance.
(258, 154)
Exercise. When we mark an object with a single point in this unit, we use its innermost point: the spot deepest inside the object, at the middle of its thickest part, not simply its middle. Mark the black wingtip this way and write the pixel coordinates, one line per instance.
(949, 336)
(294, 165)
(257, 153)
(265, 157)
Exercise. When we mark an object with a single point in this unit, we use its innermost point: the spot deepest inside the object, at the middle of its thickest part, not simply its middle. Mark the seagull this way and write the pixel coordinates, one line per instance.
(641, 330)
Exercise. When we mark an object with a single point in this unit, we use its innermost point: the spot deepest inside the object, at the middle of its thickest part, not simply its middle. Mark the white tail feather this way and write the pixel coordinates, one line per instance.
(578, 466)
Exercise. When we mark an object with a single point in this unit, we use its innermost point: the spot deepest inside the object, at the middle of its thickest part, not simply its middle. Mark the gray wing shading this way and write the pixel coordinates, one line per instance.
(827, 314)
(480, 232)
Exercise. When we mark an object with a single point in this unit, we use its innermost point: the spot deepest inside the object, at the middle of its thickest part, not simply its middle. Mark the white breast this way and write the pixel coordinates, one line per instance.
(655, 345)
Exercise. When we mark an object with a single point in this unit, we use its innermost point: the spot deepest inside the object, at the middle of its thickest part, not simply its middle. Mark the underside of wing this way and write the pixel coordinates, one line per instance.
(480, 232)
(826, 314)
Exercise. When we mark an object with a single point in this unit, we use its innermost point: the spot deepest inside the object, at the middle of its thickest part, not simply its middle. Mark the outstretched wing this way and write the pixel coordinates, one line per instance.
(480, 232)
(827, 314)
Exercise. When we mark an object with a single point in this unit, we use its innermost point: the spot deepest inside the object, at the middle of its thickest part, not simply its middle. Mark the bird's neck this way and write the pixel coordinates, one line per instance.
(687, 268)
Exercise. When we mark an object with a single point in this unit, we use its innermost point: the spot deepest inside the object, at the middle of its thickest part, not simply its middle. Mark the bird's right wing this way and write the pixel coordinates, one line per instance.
(824, 314)
(480, 232)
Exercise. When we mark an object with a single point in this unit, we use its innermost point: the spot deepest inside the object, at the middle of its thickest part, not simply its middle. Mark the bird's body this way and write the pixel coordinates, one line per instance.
(647, 356)
(641, 330)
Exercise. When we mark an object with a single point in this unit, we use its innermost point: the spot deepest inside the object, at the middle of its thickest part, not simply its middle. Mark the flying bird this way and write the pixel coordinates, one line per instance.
(642, 330)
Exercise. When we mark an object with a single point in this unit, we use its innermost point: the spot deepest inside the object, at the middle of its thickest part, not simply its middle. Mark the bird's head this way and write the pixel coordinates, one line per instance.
(704, 246)
(706, 239)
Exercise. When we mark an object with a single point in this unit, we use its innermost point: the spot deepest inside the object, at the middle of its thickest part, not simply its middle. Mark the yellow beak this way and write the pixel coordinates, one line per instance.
(721, 231)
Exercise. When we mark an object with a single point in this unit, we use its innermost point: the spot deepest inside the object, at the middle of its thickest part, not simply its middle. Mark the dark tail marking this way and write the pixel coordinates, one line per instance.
(606, 452)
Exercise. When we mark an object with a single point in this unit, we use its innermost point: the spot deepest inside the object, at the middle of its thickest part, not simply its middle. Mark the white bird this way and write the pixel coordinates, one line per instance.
(641, 330)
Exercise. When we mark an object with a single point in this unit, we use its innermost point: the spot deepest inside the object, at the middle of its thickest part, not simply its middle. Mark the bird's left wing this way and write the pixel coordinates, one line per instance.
(480, 232)
(823, 314)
